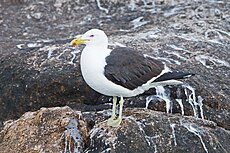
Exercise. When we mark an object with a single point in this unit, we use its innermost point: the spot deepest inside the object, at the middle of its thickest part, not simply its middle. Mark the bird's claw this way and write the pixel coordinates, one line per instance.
(114, 122)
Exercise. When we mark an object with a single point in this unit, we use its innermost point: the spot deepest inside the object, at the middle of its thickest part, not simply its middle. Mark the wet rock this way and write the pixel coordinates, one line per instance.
(62, 129)
(150, 131)
(46, 130)
(49, 76)
(38, 68)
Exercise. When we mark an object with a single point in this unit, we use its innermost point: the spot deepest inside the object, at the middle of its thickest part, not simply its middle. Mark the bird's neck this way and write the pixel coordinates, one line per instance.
(96, 48)
(93, 47)
(99, 46)
(92, 50)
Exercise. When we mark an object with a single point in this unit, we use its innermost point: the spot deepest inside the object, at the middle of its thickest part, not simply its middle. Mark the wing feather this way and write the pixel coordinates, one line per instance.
(130, 69)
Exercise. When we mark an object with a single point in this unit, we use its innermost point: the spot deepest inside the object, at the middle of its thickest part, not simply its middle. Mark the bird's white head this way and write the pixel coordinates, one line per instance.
(94, 37)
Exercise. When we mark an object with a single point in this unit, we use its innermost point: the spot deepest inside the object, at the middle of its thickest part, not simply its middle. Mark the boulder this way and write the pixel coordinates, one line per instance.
(150, 131)
(39, 69)
(58, 129)
(61, 129)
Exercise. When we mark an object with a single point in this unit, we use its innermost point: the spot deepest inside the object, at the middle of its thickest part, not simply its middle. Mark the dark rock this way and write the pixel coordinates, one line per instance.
(150, 131)
(48, 130)
(31, 80)
(38, 68)
(61, 129)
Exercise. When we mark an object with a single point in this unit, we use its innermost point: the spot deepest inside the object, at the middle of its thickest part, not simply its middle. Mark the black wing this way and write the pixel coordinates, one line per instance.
(173, 75)
(130, 69)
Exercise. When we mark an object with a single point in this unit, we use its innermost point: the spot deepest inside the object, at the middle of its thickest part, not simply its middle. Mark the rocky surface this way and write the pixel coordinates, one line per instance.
(149, 131)
(47, 130)
(38, 69)
(62, 129)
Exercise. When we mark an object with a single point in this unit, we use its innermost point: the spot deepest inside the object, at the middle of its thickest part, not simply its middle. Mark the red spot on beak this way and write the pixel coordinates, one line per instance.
(74, 44)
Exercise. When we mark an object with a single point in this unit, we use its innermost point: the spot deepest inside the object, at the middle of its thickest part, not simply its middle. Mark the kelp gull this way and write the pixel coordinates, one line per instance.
(121, 72)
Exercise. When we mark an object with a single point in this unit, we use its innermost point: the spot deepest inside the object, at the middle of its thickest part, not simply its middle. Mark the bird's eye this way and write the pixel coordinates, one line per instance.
(91, 36)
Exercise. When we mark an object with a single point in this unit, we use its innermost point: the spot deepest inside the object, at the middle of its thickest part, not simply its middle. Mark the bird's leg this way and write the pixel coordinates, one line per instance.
(113, 116)
(117, 122)
(121, 102)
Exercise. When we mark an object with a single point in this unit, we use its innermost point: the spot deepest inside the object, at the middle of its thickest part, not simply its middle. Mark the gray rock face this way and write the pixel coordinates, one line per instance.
(47, 130)
(62, 129)
(38, 69)
(149, 131)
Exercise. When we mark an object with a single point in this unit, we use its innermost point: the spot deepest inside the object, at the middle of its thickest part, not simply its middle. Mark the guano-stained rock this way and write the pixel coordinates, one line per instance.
(61, 129)
(39, 69)
(58, 129)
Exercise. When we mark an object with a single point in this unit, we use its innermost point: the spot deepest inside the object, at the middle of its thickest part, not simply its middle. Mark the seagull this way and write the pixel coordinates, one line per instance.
(121, 72)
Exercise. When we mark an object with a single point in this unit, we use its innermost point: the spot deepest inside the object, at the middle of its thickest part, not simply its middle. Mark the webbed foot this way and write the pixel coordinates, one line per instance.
(114, 122)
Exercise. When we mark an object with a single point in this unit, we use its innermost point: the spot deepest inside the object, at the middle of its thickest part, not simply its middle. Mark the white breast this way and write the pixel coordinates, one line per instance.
(92, 68)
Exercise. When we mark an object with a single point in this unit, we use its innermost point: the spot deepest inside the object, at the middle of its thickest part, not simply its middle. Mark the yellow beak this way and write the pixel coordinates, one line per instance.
(77, 41)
